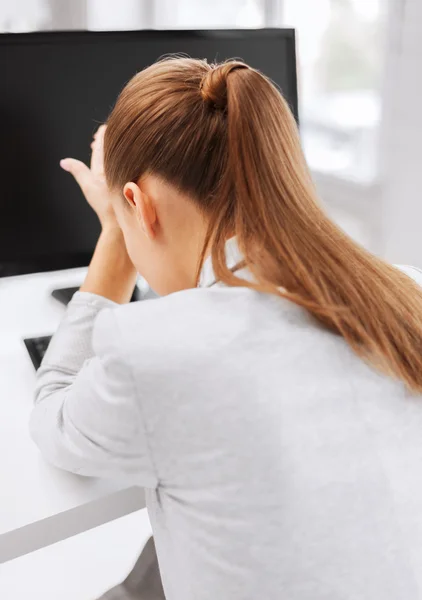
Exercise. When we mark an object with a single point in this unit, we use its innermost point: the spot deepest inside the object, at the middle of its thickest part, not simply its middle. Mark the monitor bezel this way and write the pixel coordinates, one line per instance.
(38, 264)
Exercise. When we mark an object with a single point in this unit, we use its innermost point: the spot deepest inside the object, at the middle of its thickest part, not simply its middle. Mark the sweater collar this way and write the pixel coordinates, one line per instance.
(233, 258)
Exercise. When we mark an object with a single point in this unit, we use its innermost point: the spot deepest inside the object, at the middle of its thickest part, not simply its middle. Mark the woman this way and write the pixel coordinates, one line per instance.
(269, 402)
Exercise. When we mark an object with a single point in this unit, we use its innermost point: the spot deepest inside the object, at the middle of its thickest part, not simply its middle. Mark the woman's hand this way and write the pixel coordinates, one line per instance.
(92, 180)
(111, 273)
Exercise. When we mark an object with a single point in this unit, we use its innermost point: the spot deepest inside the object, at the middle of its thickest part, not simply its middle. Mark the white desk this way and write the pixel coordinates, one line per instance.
(40, 505)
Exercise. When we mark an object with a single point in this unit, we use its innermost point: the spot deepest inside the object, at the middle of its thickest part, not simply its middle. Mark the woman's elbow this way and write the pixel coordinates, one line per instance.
(46, 432)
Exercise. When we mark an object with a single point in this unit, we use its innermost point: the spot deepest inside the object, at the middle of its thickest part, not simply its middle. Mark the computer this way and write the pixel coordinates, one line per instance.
(56, 88)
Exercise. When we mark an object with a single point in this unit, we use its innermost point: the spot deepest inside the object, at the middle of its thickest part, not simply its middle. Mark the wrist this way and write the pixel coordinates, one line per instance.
(112, 243)
(111, 273)
(111, 229)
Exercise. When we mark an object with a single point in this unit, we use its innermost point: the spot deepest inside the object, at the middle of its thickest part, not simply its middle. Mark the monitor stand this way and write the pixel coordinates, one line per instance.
(64, 295)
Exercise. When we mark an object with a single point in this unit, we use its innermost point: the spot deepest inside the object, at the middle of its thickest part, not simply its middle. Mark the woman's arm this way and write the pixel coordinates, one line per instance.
(111, 273)
(87, 417)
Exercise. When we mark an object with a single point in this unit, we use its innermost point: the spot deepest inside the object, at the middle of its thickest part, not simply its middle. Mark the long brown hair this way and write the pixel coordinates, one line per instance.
(224, 135)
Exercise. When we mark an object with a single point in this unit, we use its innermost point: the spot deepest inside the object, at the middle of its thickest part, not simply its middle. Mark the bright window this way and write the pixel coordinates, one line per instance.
(340, 63)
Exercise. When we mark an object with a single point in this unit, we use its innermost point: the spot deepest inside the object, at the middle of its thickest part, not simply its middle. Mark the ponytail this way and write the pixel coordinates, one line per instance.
(294, 250)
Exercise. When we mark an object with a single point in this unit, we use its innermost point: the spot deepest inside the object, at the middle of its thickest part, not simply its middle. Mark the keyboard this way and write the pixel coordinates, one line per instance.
(37, 347)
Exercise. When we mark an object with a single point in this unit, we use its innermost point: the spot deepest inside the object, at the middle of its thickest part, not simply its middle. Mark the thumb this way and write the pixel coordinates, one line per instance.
(79, 170)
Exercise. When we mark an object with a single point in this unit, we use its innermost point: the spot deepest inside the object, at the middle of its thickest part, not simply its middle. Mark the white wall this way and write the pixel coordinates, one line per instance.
(401, 151)
(119, 14)
(25, 15)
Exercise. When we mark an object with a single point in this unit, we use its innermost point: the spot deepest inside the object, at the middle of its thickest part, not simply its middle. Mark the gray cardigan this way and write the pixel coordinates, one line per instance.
(278, 465)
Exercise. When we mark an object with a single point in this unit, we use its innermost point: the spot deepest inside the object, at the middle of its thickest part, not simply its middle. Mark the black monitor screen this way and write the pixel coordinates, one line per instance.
(55, 88)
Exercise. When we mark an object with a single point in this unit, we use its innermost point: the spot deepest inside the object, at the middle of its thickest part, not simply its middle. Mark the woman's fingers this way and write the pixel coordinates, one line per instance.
(101, 129)
(91, 180)
(99, 134)
(79, 170)
(84, 175)
(97, 163)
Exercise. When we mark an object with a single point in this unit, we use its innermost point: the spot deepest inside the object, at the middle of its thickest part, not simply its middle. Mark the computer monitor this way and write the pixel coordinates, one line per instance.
(55, 89)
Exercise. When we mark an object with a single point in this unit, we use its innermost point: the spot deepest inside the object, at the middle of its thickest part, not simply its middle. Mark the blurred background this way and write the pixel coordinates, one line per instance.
(359, 89)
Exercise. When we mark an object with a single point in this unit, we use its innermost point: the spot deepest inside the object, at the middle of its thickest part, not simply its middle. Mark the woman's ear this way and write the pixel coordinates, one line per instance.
(143, 207)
